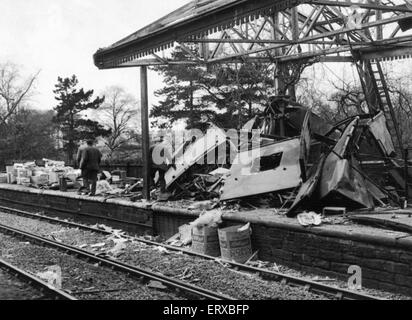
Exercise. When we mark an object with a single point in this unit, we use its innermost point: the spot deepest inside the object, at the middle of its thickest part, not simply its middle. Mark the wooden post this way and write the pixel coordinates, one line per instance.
(406, 176)
(146, 156)
(379, 29)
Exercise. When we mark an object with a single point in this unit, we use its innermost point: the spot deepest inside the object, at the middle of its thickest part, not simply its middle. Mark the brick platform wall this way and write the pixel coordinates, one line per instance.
(383, 267)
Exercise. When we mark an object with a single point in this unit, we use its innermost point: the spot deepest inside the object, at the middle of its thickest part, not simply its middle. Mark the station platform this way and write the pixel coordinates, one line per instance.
(384, 256)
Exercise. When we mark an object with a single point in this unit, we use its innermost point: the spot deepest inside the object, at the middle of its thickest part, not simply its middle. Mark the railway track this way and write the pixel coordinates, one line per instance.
(141, 274)
(312, 286)
(35, 282)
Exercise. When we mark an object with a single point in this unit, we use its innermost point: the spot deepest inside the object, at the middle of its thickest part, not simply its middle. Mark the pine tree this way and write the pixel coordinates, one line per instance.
(74, 125)
(227, 95)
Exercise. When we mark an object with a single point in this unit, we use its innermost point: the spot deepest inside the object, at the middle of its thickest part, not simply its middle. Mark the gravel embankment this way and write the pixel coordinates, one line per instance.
(78, 277)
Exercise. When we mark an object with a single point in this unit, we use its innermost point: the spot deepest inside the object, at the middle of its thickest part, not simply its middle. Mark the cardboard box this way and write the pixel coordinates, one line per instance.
(23, 173)
(23, 181)
(41, 179)
(10, 169)
(53, 177)
(3, 177)
(11, 178)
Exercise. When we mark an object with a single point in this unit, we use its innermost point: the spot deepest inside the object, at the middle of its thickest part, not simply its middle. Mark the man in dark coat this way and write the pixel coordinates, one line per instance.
(89, 159)
(161, 161)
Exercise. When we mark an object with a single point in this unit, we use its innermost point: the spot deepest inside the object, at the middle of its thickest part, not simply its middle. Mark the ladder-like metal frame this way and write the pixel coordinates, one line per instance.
(384, 100)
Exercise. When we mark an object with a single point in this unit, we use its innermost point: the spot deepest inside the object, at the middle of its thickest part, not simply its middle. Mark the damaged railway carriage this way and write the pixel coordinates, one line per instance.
(295, 151)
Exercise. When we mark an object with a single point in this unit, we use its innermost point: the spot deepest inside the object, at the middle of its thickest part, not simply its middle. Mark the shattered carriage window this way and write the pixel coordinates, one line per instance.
(266, 163)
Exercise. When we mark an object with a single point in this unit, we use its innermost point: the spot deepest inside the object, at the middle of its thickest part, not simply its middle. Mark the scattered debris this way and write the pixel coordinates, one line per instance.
(298, 162)
(210, 219)
(309, 219)
(98, 245)
(119, 247)
(161, 249)
(156, 285)
(52, 275)
(203, 205)
(185, 232)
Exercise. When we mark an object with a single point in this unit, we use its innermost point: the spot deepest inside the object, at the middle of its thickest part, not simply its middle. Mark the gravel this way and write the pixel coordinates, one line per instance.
(11, 288)
(211, 275)
(77, 275)
(204, 273)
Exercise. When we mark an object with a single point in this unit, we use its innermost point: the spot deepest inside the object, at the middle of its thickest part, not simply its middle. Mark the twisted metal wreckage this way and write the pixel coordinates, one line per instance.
(298, 150)
(335, 164)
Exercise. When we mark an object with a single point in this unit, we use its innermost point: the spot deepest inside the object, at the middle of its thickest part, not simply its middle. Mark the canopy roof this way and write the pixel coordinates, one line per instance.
(196, 19)
(322, 28)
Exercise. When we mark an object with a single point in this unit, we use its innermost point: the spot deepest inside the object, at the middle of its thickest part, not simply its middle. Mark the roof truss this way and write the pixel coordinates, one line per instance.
(283, 30)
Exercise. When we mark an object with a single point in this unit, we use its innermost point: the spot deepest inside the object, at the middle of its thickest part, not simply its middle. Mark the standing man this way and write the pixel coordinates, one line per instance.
(161, 161)
(89, 159)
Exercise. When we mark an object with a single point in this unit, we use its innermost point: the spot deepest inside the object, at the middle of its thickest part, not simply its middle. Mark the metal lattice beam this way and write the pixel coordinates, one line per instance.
(303, 29)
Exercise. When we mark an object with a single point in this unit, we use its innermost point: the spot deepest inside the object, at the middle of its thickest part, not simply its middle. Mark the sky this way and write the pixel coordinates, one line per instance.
(59, 38)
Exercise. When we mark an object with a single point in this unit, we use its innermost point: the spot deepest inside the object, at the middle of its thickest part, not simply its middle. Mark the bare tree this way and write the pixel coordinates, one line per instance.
(14, 91)
(119, 112)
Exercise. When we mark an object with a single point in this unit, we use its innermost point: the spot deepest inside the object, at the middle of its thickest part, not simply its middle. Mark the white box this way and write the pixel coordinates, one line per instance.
(3, 177)
(41, 179)
(23, 181)
(53, 177)
(11, 178)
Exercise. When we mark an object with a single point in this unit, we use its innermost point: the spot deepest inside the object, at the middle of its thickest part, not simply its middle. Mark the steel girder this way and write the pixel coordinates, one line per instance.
(286, 31)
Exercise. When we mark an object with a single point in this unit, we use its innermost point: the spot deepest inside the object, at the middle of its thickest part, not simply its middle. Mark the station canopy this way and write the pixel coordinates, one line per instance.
(278, 30)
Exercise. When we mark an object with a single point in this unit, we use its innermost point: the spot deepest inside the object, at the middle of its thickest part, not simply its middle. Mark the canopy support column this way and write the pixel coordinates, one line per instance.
(146, 156)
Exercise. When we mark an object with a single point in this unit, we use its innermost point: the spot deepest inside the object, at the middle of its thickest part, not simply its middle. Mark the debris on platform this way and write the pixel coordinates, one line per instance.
(195, 151)
(309, 219)
(103, 187)
(297, 163)
(30, 174)
(302, 163)
(203, 205)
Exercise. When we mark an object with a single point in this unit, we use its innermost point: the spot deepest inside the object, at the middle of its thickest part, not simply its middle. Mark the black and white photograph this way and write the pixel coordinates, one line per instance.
(203, 157)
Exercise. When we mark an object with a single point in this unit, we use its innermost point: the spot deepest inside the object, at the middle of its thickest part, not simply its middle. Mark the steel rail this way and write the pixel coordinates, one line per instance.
(312, 286)
(338, 293)
(52, 220)
(44, 287)
(130, 270)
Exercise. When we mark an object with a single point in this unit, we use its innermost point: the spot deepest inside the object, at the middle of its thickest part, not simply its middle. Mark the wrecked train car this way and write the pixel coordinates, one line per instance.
(291, 148)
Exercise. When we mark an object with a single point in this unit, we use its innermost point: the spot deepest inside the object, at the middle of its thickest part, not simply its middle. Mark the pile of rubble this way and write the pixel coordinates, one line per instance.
(55, 175)
(30, 174)
(302, 162)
